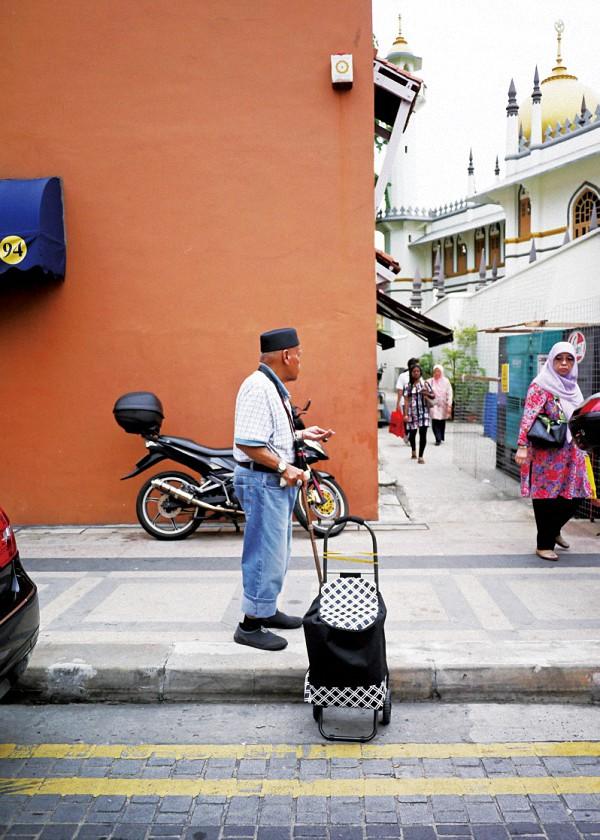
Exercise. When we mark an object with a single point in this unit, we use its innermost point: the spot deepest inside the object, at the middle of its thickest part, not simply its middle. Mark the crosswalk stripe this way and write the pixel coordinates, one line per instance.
(537, 749)
(379, 786)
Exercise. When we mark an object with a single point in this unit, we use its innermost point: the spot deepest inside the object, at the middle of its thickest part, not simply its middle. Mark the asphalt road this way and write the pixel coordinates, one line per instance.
(209, 772)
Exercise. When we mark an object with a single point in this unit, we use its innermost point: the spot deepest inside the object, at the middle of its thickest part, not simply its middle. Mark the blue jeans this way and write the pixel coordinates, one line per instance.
(267, 538)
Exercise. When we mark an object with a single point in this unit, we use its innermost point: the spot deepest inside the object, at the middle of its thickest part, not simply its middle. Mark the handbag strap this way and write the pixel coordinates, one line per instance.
(266, 370)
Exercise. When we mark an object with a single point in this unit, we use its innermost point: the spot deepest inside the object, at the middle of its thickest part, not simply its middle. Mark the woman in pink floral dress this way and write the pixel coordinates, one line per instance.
(556, 479)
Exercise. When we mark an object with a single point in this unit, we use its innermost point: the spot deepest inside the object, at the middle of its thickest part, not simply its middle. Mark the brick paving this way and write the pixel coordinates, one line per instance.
(573, 816)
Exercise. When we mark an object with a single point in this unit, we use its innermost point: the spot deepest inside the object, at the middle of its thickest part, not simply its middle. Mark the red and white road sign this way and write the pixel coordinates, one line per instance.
(577, 339)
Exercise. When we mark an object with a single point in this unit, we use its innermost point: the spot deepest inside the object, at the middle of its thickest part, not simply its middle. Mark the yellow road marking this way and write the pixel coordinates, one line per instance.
(297, 788)
(347, 559)
(310, 751)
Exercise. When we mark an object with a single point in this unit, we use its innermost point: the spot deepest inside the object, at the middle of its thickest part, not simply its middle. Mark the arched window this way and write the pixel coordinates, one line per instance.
(494, 245)
(524, 214)
(479, 246)
(461, 256)
(448, 257)
(582, 211)
(436, 250)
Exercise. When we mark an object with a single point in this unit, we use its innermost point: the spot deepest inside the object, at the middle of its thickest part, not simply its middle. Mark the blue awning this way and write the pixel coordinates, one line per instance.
(32, 231)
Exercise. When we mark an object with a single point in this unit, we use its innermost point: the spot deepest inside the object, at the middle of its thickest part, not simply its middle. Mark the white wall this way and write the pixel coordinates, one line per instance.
(564, 287)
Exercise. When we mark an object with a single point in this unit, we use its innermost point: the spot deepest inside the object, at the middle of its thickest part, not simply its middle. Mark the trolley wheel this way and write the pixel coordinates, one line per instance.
(317, 712)
(386, 715)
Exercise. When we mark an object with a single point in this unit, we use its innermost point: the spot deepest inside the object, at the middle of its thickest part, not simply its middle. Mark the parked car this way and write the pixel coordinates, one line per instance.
(19, 609)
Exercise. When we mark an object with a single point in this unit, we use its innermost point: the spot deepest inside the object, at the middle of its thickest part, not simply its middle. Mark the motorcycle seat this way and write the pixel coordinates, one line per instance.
(192, 446)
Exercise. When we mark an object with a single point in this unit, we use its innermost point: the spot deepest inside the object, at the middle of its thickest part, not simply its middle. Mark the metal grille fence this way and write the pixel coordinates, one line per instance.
(488, 409)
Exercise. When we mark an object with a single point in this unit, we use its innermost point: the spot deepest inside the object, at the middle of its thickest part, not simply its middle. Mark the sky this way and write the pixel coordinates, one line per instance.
(470, 52)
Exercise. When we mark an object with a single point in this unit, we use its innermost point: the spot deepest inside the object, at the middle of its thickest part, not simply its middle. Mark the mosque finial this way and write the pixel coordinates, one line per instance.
(560, 70)
(512, 107)
(560, 28)
(471, 169)
(497, 167)
(536, 96)
(400, 39)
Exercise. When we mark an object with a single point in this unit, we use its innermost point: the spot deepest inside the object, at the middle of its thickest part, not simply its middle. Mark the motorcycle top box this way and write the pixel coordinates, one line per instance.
(585, 424)
(139, 413)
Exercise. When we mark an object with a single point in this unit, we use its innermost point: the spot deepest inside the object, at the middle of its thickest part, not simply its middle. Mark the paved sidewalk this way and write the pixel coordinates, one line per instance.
(472, 613)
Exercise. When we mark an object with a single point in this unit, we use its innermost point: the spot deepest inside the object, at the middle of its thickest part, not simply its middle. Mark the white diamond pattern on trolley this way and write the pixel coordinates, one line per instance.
(361, 697)
(349, 603)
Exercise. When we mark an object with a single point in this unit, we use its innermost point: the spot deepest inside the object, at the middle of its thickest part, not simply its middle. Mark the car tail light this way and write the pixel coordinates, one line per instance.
(8, 543)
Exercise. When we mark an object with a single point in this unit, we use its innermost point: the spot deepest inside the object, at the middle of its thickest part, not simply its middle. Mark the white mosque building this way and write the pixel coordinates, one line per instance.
(526, 248)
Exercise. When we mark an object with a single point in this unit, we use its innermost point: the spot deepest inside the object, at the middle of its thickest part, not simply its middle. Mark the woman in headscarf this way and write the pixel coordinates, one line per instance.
(555, 479)
(418, 396)
(441, 409)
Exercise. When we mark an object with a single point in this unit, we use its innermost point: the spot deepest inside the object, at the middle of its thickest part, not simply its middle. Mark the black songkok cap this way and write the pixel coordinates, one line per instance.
(281, 339)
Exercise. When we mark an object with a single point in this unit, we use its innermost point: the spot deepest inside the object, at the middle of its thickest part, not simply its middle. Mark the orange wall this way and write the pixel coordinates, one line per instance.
(215, 186)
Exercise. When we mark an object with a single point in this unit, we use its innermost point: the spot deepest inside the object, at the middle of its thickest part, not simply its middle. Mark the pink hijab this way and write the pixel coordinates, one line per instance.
(440, 386)
(563, 387)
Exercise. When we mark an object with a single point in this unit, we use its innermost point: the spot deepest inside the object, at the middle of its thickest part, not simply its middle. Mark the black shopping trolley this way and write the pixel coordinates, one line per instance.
(345, 640)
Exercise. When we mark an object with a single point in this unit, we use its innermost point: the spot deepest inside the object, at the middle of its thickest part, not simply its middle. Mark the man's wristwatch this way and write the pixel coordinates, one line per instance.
(281, 467)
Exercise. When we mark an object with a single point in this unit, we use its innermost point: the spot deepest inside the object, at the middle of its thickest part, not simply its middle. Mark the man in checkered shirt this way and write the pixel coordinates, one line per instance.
(266, 483)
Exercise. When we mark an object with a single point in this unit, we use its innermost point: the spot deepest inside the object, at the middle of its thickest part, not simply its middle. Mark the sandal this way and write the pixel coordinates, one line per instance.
(546, 554)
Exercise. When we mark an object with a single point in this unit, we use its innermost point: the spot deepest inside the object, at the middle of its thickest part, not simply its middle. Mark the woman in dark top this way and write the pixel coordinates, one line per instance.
(418, 396)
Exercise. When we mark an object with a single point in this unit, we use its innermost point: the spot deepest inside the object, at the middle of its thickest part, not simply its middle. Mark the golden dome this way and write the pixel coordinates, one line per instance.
(561, 99)
(562, 94)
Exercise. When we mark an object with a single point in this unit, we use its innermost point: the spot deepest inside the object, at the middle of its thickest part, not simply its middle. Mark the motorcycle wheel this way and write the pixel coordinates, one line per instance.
(163, 516)
(335, 505)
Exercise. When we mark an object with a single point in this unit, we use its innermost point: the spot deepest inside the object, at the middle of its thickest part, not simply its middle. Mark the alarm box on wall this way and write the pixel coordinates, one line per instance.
(342, 74)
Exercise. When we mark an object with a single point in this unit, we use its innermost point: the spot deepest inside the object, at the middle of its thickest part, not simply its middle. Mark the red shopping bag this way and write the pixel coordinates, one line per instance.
(397, 424)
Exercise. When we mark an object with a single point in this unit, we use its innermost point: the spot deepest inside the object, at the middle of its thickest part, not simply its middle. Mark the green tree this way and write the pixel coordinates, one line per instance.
(461, 365)
(426, 362)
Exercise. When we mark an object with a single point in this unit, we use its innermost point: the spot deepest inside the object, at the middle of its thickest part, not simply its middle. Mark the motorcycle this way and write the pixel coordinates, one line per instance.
(171, 505)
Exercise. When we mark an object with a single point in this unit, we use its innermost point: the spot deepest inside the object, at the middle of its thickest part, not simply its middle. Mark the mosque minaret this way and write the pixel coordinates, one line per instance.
(547, 196)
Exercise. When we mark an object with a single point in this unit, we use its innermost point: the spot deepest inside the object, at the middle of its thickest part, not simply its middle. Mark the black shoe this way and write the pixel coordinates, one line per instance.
(438, 443)
(261, 639)
(281, 621)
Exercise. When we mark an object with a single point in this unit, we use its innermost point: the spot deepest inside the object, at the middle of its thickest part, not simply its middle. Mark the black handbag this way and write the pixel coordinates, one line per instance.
(548, 434)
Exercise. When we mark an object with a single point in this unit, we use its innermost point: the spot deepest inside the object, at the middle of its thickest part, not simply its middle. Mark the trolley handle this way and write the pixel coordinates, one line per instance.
(358, 520)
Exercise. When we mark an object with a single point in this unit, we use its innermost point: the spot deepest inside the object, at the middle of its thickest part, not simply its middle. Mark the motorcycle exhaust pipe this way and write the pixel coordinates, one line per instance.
(188, 497)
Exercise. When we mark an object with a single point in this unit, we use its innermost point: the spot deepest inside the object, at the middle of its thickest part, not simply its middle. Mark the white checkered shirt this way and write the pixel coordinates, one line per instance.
(261, 420)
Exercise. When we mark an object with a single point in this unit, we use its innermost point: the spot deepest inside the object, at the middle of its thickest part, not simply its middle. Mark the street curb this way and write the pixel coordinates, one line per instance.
(53, 531)
(157, 674)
